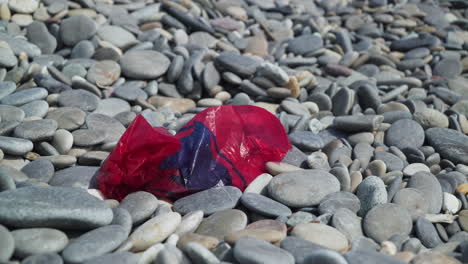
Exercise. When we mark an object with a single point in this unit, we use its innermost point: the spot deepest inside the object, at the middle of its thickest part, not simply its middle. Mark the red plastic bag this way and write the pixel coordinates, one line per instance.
(225, 145)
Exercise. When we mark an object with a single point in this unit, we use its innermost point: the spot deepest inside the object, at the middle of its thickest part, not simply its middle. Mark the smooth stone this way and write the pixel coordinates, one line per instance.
(396, 219)
(252, 250)
(300, 217)
(12, 170)
(371, 192)
(81, 99)
(413, 200)
(448, 68)
(413, 168)
(77, 176)
(306, 140)
(6, 88)
(141, 205)
(242, 66)
(7, 244)
(305, 44)
(34, 241)
(275, 168)
(130, 93)
(122, 218)
(87, 137)
(342, 101)
(405, 133)
(434, 258)
(431, 118)
(189, 222)
(68, 118)
(74, 210)
(325, 256)
(36, 130)
(430, 188)
(208, 242)
(377, 168)
(369, 257)
(7, 57)
(392, 162)
(116, 35)
(51, 258)
(41, 170)
(83, 49)
(24, 96)
(38, 34)
(259, 184)
(199, 254)
(94, 243)
(171, 254)
(15, 146)
(302, 188)
(11, 113)
(451, 203)
(124, 257)
(62, 141)
(209, 201)
(103, 73)
(144, 64)
(222, 223)
(348, 223)
(322, 235)
(37, 108)
(76, 28)
(334, 201)
(357, 123)
(449, 143)
(107, 125)
(264, 205)
(7, 182)
(299, 248)
(153, 231)
(427, 233)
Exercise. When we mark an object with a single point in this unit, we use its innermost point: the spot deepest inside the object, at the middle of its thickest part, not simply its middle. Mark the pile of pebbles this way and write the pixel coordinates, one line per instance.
(373, 95)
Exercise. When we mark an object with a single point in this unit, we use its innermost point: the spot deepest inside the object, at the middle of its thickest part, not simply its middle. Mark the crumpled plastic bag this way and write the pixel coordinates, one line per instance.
(224, 145)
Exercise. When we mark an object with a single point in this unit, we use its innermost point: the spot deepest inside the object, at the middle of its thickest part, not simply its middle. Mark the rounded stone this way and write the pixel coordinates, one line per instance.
(264, 205)
(405, 133)
(302, 188)
(76, 28)
(427, 233)
(371, 192)
(37, 108)
(448, 68)
(413, 168)
(77, 176)
(123, 257)
(33, 241)
(385, 220)
(413, 200)
(209, 201)
(107, 125)
(62, 141)
(15, 146)
(11, 113)
(7, 244)
(189, 223)
(200, 254)
(87, 137)
(25, 96)
(116, 35)
(256, 251)
(51, 258)
(112, 106)
(430, 188)
(104, 73)
(81, 99)
(325, 256)
(334, 201)
(222, 223)
(69, 118)
(36, 130)
(58, 207)
(144, 64)
(431, 118)
(322, 235)
(348, 223)
(141, 205)
(41, 170)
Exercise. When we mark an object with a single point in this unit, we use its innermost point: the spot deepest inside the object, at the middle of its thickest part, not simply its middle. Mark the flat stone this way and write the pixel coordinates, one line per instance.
(240, 65)
(305, 44)
(252, 250)
(77, 176)
(413, 168)
(306, 140)
(68, 118)
(7, 244)
(348, 223)
(208, 242)
(116, 35)
(153, 231)
(141, 205)
(264, 205)
(413, 200)
(7, 182)
(366, 256)
(37, 108)
(11, 113)
(326, 257)
(15, 146)
(107, 125)
(428, 118)
(448, 68)
(259, 184)
(24, 96)
(76, 28)
(123, 257)
(392, 162)
(41, 170)
(62, 141)
(430, 188)
(103, 73)
(334, 201)
(189, 223)
(405, 133)
(74, 210)
(222, 223)
(299, 248)
(449, 143)
(209, 201)
(144, 64)
(302, 188)
(200, 254)
(427, 233)
(51, 258)
(6, 88)
(38, 34)
(321, 234)
(7, 57)
(81, 99)
(385, 220)
(434, 258)
(35, 241)
(87, 137)
(36, 130)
